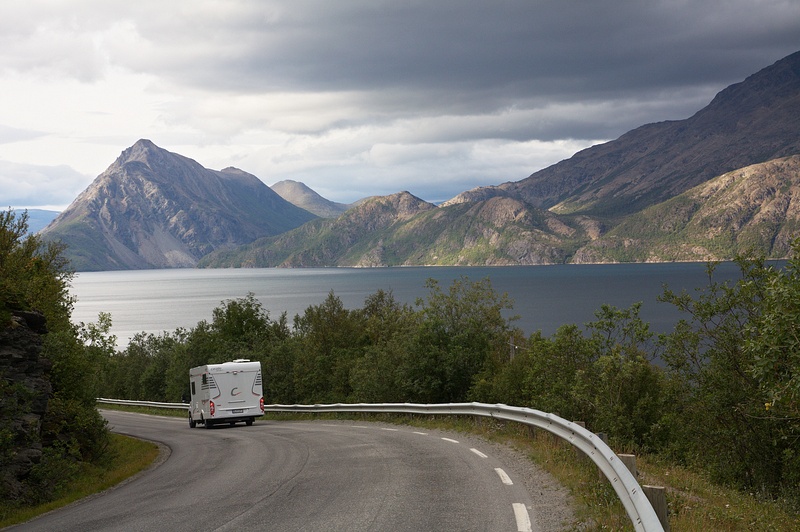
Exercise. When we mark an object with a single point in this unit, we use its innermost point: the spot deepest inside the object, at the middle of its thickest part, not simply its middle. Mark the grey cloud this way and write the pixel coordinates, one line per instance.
(464, 57)
(516, 48)
(13, 134)
(26, 185)
(450, 57)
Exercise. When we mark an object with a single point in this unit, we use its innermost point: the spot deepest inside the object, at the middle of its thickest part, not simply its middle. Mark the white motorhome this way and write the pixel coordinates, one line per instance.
(225, 393)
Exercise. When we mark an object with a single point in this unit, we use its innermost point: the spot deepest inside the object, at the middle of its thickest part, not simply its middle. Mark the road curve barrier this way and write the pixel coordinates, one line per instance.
(636, 504)
(148, 404)
(630, 493)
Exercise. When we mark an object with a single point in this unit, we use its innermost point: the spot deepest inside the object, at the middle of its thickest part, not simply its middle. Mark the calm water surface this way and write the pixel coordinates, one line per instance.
(545, 297)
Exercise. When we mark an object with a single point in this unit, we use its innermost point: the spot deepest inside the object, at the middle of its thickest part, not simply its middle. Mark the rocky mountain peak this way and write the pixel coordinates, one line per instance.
(142, 151)
(156, 209)
(476, 194)
(232, 170)
(302, 196)
(765, 88)
(399, 205)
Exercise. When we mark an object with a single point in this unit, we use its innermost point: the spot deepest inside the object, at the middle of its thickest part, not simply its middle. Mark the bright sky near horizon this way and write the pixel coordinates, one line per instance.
(358, 97)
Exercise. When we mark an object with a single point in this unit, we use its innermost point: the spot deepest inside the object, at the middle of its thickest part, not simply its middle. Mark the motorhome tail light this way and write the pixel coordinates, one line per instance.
(261, 404)
(211, 408)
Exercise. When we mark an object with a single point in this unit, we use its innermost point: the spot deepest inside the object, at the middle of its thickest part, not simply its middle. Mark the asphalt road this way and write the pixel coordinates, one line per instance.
(308, 476)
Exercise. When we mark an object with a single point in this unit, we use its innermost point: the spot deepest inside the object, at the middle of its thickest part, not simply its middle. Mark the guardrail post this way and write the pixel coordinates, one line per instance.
(630, 462)
(657, 496)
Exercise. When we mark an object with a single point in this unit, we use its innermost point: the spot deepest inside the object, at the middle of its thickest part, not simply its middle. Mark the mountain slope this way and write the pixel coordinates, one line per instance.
(753, 209)
(300, 195)
(324, 242)
(155, 209)
(401, 230)
(747, 123)
(38, 219)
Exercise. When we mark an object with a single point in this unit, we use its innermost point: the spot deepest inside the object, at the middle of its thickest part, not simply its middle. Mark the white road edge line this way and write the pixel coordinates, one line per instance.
(451, 441)
(476, 451)
(503, 476)
(421, 433)
(521, 515)
(390, 430)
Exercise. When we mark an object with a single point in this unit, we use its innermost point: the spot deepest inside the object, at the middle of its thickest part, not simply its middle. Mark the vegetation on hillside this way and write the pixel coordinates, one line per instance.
(34, 276)
(720, 392)
(747, 211)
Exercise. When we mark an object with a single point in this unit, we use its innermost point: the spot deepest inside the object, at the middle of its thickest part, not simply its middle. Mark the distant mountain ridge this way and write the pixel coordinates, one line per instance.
(617, 201)
(156, 209)
(300, 195)
(747, 123)
(722, 182)
(593, 206)
(325, 242)
(38, 219)
(755, 209)
(402, 230)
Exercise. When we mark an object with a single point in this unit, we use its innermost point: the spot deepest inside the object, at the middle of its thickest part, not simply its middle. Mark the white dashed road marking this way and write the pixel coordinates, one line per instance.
(520, 510)
(521, 515)
(503, 476)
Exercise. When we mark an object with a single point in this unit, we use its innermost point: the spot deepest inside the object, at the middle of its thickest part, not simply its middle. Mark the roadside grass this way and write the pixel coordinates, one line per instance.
(125, 457)
(698, 504)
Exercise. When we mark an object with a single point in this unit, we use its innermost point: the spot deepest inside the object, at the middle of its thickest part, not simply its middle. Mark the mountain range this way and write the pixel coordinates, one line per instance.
(722, 182)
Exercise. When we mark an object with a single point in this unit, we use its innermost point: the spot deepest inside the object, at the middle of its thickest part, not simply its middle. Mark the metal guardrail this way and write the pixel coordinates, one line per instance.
(151, 404)
(637, 506)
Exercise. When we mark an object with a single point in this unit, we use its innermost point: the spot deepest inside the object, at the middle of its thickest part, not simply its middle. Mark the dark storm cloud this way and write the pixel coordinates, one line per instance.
(517, 48)
(455, 57)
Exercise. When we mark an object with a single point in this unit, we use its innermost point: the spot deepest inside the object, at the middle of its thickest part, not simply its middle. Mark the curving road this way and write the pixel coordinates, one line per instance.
(307, 476)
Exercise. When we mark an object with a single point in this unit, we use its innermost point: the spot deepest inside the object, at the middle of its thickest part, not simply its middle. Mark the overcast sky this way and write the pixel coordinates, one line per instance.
(357, 98)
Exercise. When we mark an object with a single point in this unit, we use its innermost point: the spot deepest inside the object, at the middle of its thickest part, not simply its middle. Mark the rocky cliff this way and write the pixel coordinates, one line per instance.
(24, 392)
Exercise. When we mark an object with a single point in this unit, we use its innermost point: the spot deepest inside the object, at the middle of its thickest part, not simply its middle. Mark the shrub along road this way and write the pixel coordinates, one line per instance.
(306, 476)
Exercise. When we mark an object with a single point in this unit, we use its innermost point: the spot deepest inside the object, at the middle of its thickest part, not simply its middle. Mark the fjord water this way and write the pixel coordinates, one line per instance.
(545, 297)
